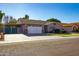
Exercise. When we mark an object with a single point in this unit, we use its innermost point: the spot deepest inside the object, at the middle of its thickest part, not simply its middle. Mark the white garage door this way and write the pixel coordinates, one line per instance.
(34, 30)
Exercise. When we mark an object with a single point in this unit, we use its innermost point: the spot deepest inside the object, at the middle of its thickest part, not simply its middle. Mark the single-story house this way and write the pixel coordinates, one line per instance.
(39, 27)
(35, 27)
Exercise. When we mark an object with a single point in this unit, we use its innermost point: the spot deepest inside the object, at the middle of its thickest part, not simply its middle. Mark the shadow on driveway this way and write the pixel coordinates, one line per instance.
(36, 34)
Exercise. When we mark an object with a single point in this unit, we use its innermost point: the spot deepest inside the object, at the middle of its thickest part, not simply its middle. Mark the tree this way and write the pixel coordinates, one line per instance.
(13, 21)
(1, 15)
(53, 20)
(26, 17)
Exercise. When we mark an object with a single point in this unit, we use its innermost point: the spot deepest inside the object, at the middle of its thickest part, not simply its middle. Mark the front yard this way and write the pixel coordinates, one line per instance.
(64, 35)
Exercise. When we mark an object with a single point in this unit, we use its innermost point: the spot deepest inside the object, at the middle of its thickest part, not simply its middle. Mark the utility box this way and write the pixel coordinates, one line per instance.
(1, 36)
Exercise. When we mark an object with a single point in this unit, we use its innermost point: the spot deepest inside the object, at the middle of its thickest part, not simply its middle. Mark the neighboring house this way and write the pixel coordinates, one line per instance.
(75, 26)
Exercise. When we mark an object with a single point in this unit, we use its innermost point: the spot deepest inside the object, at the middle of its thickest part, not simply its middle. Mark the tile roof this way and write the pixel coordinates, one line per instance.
(36, 22)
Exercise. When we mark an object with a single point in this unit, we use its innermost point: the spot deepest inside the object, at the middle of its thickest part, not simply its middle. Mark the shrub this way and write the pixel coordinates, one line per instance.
(76, 30)
(57, 31)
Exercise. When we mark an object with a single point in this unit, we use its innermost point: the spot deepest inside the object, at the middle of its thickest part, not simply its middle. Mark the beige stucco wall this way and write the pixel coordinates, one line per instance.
(19, 30)
(68, 29)
(52, 26)
(59, 26)
(24, 27)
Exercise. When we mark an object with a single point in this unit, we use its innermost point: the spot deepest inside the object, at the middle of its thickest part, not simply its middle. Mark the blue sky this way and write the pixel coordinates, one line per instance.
(42, 11)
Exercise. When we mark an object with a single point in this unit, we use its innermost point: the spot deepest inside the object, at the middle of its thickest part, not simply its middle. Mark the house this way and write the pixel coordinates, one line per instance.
(75, 26)
(39, 27)
(26, 26)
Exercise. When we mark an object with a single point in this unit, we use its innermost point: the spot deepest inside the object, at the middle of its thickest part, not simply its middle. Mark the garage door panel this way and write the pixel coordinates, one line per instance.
(34, 30)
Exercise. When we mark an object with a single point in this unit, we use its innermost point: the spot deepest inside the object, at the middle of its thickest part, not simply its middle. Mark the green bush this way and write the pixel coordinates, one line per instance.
(58, 31)
(65, 32)
(76, 30)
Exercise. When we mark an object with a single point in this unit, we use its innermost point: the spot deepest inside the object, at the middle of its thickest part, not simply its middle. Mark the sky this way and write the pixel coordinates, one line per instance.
(65, 12)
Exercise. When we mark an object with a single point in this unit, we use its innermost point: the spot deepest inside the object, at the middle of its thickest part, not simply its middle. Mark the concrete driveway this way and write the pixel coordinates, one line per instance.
(9, 38)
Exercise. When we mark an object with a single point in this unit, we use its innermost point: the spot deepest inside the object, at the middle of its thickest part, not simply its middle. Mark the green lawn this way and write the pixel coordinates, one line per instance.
(64, 35)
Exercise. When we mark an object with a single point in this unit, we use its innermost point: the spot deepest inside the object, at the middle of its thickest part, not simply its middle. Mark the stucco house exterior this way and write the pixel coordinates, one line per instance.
(36, 27)
(39, 27)
(32, 26)
(67, 27)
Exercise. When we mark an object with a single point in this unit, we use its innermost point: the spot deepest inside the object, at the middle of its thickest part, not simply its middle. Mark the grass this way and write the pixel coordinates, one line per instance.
(64, 35)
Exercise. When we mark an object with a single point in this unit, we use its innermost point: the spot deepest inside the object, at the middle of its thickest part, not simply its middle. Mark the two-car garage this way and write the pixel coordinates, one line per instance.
(34, 29)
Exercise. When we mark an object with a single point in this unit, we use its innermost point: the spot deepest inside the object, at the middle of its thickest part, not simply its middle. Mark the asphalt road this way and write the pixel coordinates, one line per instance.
(65, 47)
